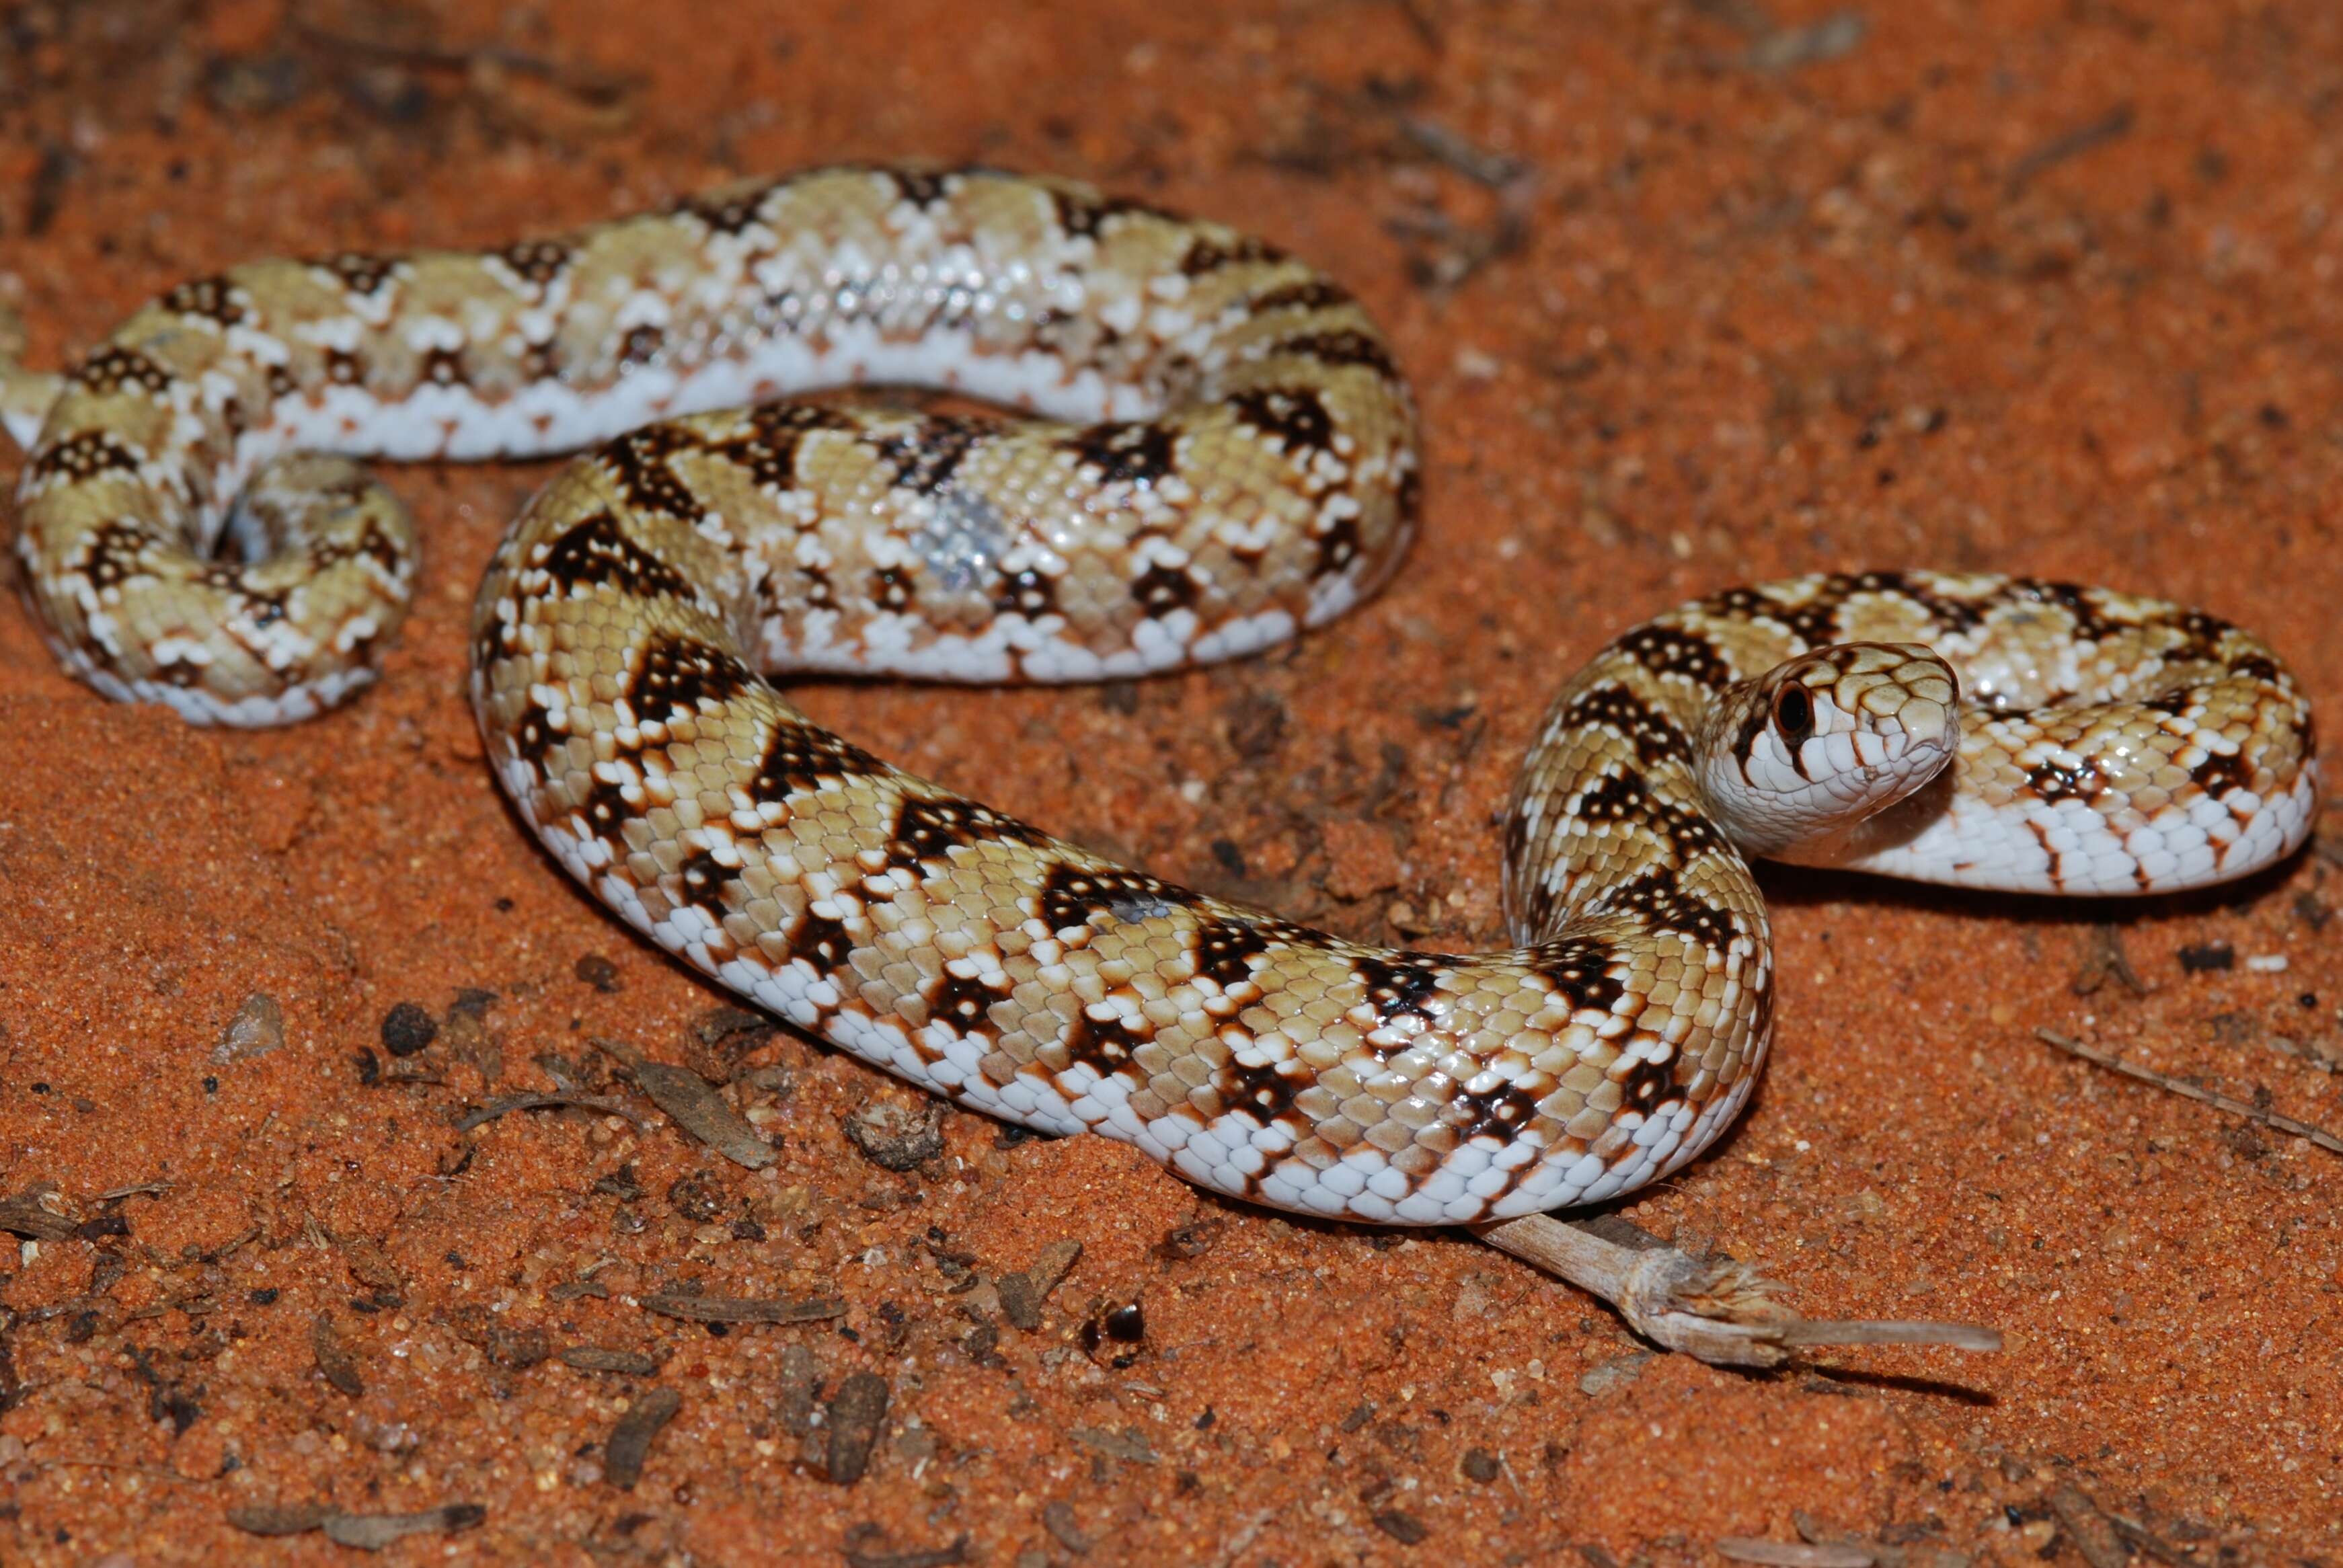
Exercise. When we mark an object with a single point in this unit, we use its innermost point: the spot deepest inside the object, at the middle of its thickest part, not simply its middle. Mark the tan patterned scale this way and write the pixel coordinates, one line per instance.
(1217, 451)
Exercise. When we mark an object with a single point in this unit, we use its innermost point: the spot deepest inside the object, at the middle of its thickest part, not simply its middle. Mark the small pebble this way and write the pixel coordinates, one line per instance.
(408, 1028)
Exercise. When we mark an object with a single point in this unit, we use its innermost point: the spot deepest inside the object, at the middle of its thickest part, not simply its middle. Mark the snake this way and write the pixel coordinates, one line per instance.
(1190, 446)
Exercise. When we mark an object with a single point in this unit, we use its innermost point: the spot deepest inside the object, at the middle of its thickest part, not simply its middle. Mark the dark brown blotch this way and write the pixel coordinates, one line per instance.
(1074, 896)
(1404, 983)
(641, 346)
(923, 188)
(361, 274)
(1085, 213)
(1663, 904)
(605, 808)
(1673, 650)
(208, 298)
(821, 942)
(1105, 1045)
(1210, 253)
(2056, 781)
(2258, 667)
(964, 1003)
(112, 370)
(1690, 833)
(1334, 548)
(1580, 971)
(1614, 797)
(1348, 348)
(679, 676)
(535, 738)
(2092, 623)
(732, 212)
(1295, 417)
(776, 431)
(2223, 773)
(1648, 1085)
(929, 829)
(701, 879)
(1124, 451)
(1500, 1112)
(1312, 293)
(801, 758)
(1265, 1092)
(929, 455)
(538, 262)
(641, 463)
(444, 367)
(1162, 589)
(894, 587)
(1655, 737)
(82, 455)
(596, 552)
(1027, 592)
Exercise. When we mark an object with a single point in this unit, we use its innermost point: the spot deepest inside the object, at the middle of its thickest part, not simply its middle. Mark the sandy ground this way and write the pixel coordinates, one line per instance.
(1694, 294)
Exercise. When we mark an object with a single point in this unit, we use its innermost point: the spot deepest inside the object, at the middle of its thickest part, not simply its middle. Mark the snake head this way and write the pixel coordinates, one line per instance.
(1799, 757)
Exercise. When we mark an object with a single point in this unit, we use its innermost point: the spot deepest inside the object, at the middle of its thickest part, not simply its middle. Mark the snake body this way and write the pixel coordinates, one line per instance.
(1217, 450)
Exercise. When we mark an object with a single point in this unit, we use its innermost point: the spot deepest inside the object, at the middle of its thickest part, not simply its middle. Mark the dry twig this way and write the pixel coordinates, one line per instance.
(1718, 1311)
(2188, 1091)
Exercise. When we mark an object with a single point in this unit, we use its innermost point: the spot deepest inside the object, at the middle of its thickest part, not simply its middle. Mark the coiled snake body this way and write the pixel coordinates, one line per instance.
(1223, 453)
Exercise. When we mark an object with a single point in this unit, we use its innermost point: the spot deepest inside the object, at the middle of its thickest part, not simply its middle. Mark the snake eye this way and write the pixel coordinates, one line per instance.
(1793, 714)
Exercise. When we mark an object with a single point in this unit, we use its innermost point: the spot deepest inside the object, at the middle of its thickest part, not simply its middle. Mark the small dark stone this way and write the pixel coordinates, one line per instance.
(1404, 1528)
(408, 1028)
(1058, 1519)
(865, 1548)
(1482, 1466)
(622, 1183)
(2208, 956)
(472, 1001)
(599, 973)
(695, 1198)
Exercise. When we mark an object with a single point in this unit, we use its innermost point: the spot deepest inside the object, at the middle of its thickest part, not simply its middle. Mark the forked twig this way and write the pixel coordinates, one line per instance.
(1716, 1310)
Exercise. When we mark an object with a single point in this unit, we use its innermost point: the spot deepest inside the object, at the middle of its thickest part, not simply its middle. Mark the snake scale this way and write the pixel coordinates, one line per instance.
(1215, 450)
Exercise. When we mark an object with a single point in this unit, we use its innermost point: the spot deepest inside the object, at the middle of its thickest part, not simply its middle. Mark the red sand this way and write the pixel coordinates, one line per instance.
(2017, 286)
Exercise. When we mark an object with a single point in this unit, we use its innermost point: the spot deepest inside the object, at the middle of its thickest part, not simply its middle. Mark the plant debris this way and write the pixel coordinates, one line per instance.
(594, 1358)
(743, 1309)
(694, 1104)
(855, 1416)
(334, 1360)
(864, 1549)
(2319, 1136)
(599, 1104)
(365, 1532)
(630, 1440)
(1022, 1293)
(895, 1139)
